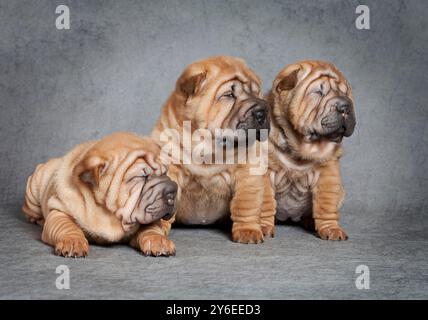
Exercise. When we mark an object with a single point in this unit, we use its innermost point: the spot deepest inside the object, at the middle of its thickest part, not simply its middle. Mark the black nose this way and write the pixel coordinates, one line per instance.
(170, 198)
(169, 193)
(259, 113)
(343, 106)
(169, 204)
(170, 188)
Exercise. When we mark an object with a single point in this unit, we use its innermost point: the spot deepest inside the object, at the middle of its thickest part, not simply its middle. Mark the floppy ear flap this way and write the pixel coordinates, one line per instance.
(190, 82)
(288, 82)
(91, 170)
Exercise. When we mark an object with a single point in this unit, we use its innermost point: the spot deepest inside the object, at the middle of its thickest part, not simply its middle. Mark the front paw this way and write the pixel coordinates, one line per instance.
(156, 245)
(332, 233)
(72, 247)
(247, 235)
(155, 164)
(268, 231)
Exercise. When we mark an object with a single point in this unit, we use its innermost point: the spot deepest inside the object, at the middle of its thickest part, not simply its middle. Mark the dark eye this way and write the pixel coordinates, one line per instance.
(229, 94)
(320, 90)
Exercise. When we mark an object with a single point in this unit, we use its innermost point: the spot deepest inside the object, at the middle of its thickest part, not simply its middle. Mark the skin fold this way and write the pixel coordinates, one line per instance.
(106, 191)
(219, 92)
(312, 109)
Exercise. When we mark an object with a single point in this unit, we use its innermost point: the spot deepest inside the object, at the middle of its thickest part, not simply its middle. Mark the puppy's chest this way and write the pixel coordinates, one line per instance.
(204, 200)
(293, 193)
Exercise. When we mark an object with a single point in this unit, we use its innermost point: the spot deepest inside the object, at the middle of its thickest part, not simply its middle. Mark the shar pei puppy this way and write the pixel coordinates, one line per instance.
(106, 191)
(218, 94)
(312, 109)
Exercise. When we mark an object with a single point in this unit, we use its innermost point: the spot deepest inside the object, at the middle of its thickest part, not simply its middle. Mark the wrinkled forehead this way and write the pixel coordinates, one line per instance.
(322, 72)
(327, 83)
(322, 69)
(120, 145)
(221, 73)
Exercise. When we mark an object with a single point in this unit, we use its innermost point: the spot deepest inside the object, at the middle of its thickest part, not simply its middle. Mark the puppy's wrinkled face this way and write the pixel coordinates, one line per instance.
(146, 194)
(127, 179)
(317, 100)
(223, 93)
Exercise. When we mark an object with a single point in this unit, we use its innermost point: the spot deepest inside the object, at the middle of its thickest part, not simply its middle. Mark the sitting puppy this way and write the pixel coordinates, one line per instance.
(312, 109)
(106, 191)
(219, 93)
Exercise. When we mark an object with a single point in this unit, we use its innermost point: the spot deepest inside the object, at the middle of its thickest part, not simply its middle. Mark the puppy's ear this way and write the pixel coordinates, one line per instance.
(191, 82)
(288, 81)
(91, 170)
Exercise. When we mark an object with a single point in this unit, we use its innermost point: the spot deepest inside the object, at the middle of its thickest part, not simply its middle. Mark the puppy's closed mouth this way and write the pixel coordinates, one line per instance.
(337, 135)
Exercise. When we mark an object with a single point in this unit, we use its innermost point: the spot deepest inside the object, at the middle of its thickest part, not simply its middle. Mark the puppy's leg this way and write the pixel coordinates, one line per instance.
(267, 218)
(166, 225)
(327, 198)
(152, 239)
(246, 207)
(32, 207)
(61, 232)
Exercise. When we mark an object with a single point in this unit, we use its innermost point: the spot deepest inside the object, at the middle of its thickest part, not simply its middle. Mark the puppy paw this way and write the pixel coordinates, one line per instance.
(38, 221)
(268, 231)
(147, 164)
(332, 233)
(155, 165)
(247, 235)
(156, 245)
(72, 247)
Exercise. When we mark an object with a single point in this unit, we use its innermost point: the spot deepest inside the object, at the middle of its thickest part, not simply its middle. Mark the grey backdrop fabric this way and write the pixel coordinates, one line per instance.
(114, 69)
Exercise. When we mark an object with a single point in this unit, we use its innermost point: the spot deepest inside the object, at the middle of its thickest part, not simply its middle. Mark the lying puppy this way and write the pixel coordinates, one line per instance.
(106, 191)
(218, 93)
(312, 110)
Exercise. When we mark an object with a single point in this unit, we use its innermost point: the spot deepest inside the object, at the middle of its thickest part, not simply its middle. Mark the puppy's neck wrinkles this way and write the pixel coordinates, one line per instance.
(294, 152)
(280, 140)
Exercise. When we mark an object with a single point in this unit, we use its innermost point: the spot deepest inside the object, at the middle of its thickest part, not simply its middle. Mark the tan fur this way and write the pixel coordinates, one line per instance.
(306, 174)
(61, 198)
(209, 193)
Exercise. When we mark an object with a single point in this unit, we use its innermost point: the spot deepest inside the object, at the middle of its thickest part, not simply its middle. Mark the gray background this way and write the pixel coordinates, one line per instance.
(116, 66)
